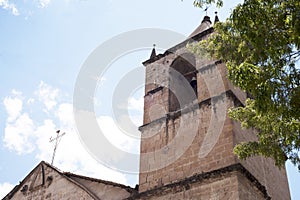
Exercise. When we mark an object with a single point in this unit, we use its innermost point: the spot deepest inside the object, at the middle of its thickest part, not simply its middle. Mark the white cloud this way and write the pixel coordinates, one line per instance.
(18, 132)
(43, 133)
(71, 155)
(18, 135)
(48, 95)
(65, 114)
(16, 92)
(13, 105)
(117, 137)
(5, 4)
(135, 109)
(43, 3)
(136, 103)
(30, 101)
(25, 133)
(100, 80)
(5, 188)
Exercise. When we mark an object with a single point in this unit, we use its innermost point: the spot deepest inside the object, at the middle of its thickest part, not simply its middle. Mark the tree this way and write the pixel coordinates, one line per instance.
(260, 44)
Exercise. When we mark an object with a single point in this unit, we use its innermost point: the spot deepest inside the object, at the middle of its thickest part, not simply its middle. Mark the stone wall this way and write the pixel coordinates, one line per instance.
(173, 149)
(229, 183)
(195, 139)
(55, 187)
(180, 146)
(220, 188)
(103, 189)
(273, 178)
(247, 190)
(46, 182)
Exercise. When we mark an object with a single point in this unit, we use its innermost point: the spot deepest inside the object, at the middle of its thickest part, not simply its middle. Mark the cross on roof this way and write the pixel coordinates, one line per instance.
(57, 140)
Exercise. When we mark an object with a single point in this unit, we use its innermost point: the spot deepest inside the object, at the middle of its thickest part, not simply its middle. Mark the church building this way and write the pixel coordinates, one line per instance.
(187, 140)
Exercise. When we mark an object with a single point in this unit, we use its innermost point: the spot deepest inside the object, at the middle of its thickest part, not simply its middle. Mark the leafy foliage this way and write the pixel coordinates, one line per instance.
(260, 44)
(201, 3)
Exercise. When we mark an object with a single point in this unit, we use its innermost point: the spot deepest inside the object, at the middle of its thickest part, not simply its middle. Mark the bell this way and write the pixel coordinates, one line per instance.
(193, 82)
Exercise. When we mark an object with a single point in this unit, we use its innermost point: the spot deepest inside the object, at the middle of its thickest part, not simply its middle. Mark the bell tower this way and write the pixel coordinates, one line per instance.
(187, 137)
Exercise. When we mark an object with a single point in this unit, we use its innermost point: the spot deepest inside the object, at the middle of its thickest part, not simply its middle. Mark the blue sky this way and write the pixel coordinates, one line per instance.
(43, 45)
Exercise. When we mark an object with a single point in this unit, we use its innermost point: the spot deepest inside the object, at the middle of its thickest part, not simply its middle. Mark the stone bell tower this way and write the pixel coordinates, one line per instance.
(187, 137)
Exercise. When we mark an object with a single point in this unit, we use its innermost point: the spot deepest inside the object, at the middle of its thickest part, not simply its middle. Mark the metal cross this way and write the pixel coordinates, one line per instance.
(207, 7)
(57, 140)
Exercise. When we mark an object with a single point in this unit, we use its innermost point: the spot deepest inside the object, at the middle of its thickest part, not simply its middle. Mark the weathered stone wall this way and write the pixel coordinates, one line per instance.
(197, 139)
(246, 190)
(165, 134)
(156, 92)
(209, 148)
(231, 185)
(45, 182)
(57, 188)
(212, 81)
(273, 178)
(221, 188)
(103, 190)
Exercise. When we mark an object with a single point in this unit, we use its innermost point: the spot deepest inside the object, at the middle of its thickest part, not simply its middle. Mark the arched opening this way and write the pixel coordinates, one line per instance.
(182, 71)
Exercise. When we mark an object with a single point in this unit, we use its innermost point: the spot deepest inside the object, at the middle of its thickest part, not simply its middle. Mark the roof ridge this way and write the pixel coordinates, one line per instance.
(128, 188)
(172, 49)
